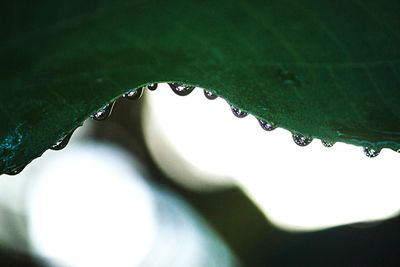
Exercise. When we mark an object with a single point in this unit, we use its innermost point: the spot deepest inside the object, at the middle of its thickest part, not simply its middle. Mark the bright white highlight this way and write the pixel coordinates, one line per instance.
(191, 124)
(90, 207)
(298, 188)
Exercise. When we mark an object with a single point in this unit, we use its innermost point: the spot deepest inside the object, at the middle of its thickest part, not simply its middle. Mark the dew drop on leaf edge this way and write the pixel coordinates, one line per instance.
(63, 142)
(103, 113)
(266, 125)
(327, 143)
(370, 152)
(16, 170)
(210, 95)
(238, 113)
(181, 89)
(152, 86)
(134, 94)
(301, 140)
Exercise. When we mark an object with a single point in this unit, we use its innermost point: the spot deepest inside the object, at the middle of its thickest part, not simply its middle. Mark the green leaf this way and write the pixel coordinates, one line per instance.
(326, 69)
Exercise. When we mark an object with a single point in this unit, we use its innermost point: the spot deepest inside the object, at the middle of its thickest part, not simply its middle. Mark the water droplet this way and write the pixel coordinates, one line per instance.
(180, 89)
(63, 142)
(134, 94)
(266, 125)
(238, 113)
(210, 95)
(103, 113)
(16, 170)
(327, 143)
(301, 140)
(370, 152)
(152, 86)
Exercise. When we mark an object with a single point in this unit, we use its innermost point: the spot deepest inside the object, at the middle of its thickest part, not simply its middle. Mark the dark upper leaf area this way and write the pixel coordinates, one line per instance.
(327, 69)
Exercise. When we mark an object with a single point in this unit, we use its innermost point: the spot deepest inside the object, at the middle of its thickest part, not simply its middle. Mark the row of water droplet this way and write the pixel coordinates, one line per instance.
(184, 90)
(59, 145)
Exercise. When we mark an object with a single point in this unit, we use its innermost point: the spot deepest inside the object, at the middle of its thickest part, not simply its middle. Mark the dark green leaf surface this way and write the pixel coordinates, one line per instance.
(326, 69)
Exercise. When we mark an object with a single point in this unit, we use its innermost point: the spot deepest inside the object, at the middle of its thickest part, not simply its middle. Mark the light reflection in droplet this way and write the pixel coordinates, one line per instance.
(103, 113)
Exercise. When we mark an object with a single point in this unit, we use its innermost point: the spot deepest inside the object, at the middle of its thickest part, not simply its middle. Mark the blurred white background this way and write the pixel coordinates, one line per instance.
(92, 204)
(204, 146)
